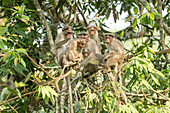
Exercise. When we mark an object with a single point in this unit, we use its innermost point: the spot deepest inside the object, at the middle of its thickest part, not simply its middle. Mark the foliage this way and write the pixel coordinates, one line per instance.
(27, 65)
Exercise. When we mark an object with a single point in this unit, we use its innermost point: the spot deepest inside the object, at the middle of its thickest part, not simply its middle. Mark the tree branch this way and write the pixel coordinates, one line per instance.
(16, 97)
(43, 20)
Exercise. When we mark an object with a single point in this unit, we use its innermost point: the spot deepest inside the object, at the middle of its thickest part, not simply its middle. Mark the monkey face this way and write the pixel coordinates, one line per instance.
(92, 30)
(83, 36)
(67, 31)
(108, 38)
(80, 44)
(86, 52)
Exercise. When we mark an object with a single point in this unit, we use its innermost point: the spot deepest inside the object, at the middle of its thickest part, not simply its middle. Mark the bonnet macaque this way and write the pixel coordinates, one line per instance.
(74, 50)
(93, 34)
(115, 52)
(91, 45)
(60, 44)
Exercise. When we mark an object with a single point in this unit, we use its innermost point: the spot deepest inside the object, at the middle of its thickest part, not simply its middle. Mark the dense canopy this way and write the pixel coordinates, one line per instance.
(28, 72)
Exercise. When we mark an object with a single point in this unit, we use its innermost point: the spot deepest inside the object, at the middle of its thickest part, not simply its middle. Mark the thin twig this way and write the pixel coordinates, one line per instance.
(17, 97)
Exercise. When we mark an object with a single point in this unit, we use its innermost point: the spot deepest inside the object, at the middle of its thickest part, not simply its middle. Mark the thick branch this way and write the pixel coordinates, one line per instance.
(163, 51)
(162, 41)
(43, 20)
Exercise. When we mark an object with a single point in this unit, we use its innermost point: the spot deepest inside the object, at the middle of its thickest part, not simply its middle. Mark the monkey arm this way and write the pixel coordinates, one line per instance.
(92, 59)
(61, 43)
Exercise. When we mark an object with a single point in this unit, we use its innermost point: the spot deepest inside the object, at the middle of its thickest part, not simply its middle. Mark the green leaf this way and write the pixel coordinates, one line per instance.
(15, 61)
(144, 15)
(22, 33)
(108, 13)
(4, 30)
(21, 50)
(20, 84)
(151, 16)
(147, 6)
(12, 91)
(22, 9)
(151, 50)
(19, 94)
(3, 92)
(25, 17)
(23, 62)
(2, 46)
(28, 77)
(52, 91)
(126, 75)
(155, 80)
(7, 54)
(157, 14)
(135, 10)
(134, 22)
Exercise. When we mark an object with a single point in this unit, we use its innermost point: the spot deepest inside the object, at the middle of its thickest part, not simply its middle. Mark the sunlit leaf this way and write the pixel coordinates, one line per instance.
(52, 91)
(143, 15)
(151, 16)
(21, 50)
(20, 84)
(17, 7)
(134, 22)
(15, 61)
(19, 94)
(23, 62)
(135, 10)
(25, 17)
(3, 38)
(7, 54)
(155, 80)
(157, 14)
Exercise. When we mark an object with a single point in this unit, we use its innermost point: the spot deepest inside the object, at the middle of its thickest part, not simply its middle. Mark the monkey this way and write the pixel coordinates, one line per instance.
(115, 52)
(61, 41)
(90, 44)
(114, 56)
(93, 34)
(89, 68)
(74, 50)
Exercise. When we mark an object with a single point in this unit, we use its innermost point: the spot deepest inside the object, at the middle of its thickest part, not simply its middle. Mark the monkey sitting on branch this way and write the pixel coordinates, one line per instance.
(61, 41)
(114, 56)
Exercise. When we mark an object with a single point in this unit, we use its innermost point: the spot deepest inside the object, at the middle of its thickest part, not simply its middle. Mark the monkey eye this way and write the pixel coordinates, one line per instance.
(84, 34)
(69, 32)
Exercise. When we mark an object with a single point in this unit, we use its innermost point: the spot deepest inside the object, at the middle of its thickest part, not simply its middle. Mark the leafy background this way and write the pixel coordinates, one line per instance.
(28, 70)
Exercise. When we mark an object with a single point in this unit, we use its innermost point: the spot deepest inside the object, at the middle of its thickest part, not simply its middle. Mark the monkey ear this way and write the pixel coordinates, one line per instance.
(89, 52)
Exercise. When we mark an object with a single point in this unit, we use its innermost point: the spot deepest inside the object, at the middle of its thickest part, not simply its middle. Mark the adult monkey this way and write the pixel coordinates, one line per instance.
(93, 34)
(74, 50)
(60, 45)
(91, 45)
(114, 57)
(115, 52)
